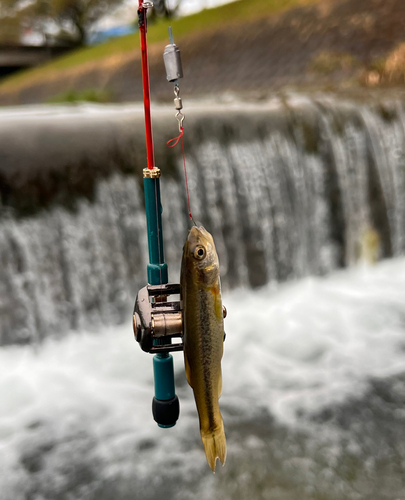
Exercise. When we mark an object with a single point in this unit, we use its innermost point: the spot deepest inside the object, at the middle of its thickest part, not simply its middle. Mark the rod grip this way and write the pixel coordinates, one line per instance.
(165, 404)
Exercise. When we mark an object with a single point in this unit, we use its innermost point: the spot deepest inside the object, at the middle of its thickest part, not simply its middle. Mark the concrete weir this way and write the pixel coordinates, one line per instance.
(294, 186)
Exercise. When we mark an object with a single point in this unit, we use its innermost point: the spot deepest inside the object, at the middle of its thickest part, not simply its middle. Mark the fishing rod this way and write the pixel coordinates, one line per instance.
(160, 324)
(157, 316)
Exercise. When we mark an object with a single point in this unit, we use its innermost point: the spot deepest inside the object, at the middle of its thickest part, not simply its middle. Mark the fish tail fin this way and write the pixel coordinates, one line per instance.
(215, 446)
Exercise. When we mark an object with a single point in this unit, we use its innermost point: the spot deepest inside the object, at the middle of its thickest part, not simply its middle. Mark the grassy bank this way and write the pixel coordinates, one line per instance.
(205, 20)
(248, 47)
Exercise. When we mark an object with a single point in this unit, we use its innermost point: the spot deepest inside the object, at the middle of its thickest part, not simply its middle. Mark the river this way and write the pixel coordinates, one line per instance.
(304, 197)
(313, 403)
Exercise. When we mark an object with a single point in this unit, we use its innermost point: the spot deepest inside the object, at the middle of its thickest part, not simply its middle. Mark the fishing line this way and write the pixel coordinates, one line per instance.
(175, 141)
(174, 71)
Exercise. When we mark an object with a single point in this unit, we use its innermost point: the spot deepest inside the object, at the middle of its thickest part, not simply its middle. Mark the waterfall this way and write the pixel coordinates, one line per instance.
(294, 187)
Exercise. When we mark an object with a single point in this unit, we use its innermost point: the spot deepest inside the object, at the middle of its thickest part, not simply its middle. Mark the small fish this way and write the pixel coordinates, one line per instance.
(203, 321)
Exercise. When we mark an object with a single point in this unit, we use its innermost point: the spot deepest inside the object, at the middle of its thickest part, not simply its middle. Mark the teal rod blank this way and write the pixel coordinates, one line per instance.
(158, 275)
(157, 268)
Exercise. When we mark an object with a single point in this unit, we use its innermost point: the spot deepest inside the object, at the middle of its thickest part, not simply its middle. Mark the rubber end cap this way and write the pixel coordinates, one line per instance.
(166, 413)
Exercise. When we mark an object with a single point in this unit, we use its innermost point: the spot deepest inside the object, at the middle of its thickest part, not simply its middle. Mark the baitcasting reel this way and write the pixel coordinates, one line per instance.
(157, 321)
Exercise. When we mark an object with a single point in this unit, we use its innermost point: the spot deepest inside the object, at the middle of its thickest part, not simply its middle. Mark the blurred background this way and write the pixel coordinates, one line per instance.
(295, 147)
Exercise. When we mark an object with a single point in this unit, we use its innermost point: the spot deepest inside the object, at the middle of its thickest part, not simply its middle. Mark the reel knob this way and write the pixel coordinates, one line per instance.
(166, 413)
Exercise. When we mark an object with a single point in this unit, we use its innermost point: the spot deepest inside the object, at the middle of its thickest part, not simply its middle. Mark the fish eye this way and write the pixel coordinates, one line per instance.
(199, 252)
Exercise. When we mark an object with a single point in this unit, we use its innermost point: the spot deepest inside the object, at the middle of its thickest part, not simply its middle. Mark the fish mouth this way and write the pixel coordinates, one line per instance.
(198, 235)
(198, 232)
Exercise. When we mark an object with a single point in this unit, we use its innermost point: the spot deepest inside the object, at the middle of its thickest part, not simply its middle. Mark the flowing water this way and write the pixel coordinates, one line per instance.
(313, 403)
(290, 188)
(314, 388)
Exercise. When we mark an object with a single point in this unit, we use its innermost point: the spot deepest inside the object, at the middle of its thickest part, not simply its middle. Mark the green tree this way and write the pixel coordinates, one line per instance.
(72, 17)
(9, 25)
(165, 8)
(9, 30)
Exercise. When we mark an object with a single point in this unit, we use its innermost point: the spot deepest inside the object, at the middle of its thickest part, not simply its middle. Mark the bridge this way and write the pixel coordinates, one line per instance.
(16, 57)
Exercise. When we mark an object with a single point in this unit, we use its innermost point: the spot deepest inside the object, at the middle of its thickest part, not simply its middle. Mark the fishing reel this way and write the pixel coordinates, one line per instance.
(157, 321)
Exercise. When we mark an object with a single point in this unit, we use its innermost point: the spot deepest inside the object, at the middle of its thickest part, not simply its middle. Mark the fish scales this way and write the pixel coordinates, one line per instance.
(203, 337)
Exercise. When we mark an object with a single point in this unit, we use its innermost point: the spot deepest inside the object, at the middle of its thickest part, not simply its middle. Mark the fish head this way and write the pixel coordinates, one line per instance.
(199, 251)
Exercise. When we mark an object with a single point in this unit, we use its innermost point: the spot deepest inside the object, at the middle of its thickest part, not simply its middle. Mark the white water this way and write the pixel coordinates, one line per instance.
(301, 346)
(288, 188)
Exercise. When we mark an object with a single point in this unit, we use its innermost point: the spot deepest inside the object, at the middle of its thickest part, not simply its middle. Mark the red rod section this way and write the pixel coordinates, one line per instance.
(146, 87)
